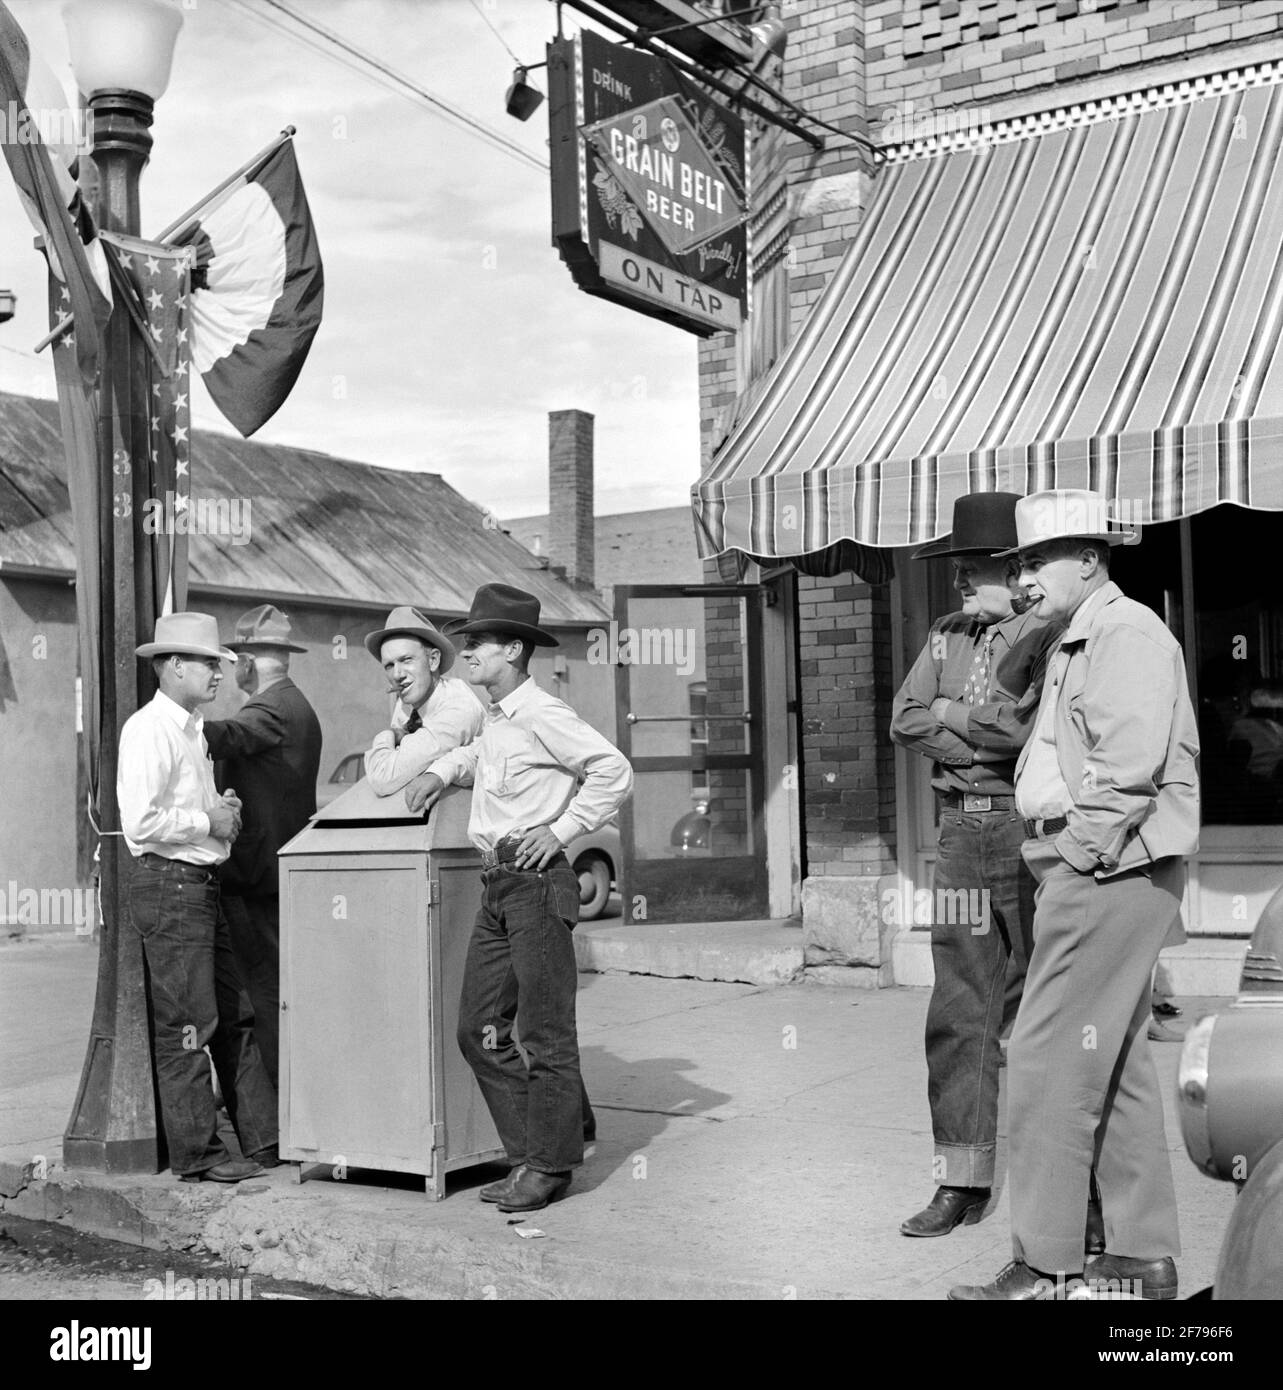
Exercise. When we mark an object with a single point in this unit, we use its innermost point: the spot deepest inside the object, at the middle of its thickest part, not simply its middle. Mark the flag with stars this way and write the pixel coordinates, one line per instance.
(159, 279)
(48, 193)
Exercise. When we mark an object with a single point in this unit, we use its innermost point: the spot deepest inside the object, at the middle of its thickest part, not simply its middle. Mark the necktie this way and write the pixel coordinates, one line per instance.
(414, 722)
(977, 687)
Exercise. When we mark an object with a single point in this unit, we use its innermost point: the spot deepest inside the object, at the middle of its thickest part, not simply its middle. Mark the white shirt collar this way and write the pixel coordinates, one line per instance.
(172, 710)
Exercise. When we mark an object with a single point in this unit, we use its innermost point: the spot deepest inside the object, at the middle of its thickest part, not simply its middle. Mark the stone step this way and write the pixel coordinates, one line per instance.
(755, 953)
(1203, 966)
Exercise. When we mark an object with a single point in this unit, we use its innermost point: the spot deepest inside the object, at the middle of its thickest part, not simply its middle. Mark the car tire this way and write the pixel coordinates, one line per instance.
(594, 873)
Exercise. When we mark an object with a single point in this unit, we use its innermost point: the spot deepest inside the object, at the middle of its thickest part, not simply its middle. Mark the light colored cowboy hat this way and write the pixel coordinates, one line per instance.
(265, 626)
(501, 608)
(186, 634)
(409, 622)
(1064, 513)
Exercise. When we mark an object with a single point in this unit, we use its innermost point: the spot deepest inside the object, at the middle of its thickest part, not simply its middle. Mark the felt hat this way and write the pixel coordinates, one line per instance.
(409, 622)
(264, 626)
(501, 608)
(186, 634)
(1065, 513)
(982, 523)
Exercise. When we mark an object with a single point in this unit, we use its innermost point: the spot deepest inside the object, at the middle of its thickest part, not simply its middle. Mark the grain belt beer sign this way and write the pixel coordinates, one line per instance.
(648, 185)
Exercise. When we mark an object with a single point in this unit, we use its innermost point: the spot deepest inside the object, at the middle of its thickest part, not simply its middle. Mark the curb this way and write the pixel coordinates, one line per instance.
(264, 1229)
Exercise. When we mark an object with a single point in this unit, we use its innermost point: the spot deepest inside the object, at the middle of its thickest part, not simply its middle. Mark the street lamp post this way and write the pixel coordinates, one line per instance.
(121, 52)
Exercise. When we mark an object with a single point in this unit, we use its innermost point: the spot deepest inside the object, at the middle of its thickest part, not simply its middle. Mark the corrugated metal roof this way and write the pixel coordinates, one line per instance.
(320, 527)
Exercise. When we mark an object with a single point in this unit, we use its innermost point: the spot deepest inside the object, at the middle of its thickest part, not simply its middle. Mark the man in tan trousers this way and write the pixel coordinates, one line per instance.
(1108, 785)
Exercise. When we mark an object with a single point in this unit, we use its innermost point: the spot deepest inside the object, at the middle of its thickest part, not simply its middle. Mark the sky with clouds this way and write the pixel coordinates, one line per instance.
(451, 326)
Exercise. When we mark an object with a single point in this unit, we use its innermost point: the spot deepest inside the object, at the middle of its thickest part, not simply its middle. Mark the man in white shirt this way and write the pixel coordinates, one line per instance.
(433, 713)
(179, 829)
(541, 776)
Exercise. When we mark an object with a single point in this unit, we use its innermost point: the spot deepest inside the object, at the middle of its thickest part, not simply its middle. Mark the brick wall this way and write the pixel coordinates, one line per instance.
(858, 66)
(571, 536)
(938, 54)
(847, 758)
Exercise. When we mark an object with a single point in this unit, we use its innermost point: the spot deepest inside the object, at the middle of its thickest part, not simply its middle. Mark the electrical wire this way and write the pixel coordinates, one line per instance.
(495, 32)
(338, 49)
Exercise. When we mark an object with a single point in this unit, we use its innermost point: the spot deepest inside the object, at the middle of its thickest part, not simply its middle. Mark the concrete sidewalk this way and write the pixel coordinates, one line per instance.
(753, 1143)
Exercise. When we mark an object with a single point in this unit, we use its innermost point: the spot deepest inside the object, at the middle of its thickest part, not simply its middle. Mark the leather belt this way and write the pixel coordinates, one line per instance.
(1041, 829)
(977, 801)
(490, 860)
(165, 862)
(505, 853)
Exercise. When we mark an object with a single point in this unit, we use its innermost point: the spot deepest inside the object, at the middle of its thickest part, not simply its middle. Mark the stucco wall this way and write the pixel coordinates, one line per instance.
(39, 811)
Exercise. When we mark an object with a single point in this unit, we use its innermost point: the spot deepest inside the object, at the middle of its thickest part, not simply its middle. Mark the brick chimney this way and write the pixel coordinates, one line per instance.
(571, 537)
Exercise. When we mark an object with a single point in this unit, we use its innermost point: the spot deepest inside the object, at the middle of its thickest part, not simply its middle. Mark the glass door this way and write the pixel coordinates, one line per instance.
(689, 709)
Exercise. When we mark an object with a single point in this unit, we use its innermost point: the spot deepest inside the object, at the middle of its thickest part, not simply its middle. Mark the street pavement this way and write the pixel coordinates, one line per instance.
(753, 1143)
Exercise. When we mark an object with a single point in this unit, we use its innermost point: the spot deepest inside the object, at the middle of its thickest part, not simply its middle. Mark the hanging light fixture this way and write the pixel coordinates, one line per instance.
(522, 100)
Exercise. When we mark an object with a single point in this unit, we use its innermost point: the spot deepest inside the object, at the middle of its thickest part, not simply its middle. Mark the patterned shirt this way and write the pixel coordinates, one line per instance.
(976, 744)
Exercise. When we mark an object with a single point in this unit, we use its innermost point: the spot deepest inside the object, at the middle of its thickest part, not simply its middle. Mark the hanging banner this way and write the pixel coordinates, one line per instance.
(648, 185)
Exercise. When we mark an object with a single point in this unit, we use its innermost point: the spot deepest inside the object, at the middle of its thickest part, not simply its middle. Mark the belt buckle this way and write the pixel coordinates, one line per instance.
(974, 801)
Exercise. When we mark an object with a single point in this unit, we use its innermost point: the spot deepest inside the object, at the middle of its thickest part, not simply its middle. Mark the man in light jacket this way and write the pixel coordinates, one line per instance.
(1108, 784)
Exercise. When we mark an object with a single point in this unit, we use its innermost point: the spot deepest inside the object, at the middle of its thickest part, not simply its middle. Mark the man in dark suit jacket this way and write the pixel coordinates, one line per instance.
(270, 753)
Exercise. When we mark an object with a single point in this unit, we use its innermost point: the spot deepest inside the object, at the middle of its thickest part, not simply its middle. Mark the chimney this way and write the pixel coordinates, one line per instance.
(571, 536)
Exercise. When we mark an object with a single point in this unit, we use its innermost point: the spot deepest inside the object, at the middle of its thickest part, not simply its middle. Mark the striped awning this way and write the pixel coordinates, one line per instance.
(1098, 305)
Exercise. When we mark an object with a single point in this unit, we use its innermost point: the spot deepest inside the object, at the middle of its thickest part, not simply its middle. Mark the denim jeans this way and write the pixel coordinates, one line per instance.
(521, 968)
(254, 927)
(979, 962)
(196, 1000)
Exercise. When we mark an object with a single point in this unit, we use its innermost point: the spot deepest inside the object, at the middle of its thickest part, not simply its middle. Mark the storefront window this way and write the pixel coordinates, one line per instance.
(1239, 651)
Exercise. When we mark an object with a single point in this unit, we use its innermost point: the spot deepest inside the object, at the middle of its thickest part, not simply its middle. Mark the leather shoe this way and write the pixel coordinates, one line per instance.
(532, 1189)
(946, 1209)
(496, 1191)
(1156, 1279)
(232, 1170)
(1016, 1282)
(1094, 1241)
(1164, 1008)
(270, 1157)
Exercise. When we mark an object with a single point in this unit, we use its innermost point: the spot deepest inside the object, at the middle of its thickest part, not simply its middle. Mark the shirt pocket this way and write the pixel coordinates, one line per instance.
(494, 775)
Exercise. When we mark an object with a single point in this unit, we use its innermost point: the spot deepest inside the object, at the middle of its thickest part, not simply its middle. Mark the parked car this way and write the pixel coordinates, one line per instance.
(1230, 1088)
(348, 773)
(595, 858)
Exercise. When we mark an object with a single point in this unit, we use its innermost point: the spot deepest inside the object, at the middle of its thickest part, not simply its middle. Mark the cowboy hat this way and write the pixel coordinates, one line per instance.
(265, 626)
(501, 608)
(1064, 513)
(409, 622)
(186, 634)
(982, 523)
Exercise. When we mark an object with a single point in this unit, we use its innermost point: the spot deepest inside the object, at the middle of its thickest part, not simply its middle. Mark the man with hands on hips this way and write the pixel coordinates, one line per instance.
(541, 776)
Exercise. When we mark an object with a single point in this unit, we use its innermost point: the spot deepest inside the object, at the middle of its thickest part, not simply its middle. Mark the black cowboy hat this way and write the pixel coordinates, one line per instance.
(501, 608)
(983, 522)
